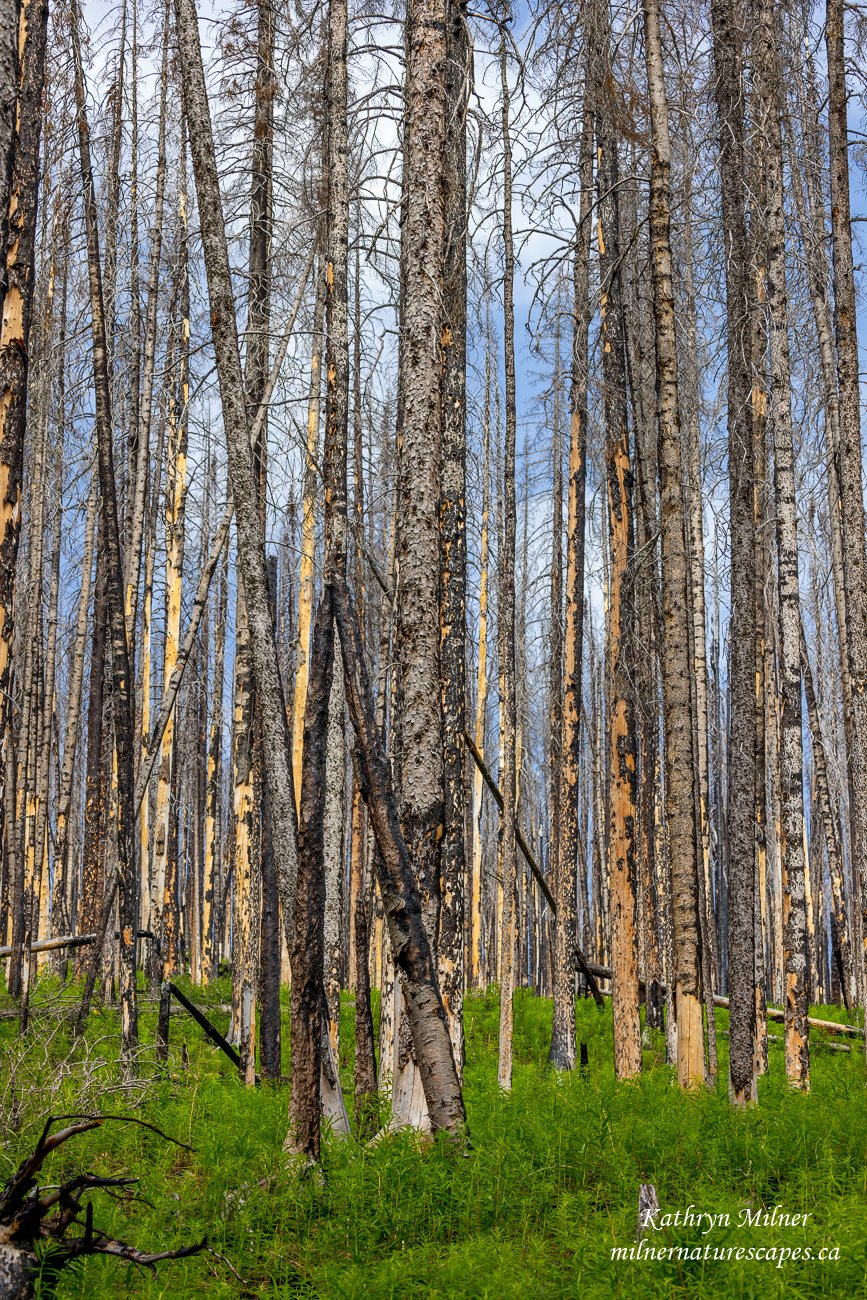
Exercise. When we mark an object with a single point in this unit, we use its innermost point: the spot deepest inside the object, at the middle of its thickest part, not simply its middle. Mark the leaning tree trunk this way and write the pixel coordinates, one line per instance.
(410, 945)
(361, 882)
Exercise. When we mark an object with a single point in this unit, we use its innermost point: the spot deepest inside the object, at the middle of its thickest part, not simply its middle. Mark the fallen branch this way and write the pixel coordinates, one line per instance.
(51, 945)
(583, 965)
(207, 1028)
(410, 945)
(30, 1215)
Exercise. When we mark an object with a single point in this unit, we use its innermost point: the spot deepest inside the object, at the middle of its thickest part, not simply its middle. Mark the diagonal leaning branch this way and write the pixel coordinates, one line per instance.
(400, 899)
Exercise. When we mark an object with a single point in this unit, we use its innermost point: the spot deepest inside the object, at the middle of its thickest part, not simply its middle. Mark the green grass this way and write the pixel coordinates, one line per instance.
(549, 1186)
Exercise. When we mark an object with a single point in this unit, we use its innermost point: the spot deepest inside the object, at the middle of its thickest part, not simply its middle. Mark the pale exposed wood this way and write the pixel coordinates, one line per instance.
(678, 748)
(481, 686)
(620, 810)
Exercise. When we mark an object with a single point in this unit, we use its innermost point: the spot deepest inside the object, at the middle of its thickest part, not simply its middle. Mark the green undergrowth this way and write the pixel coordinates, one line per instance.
(533, 1208)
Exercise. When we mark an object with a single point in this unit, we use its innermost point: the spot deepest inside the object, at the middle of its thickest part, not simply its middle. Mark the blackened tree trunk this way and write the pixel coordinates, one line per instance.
(728, 60)
(123, 712)
(418, 721)
(242, 467)
(256, 379)
(562, 1052)
(22, 78)
(453, 537)
(307, 994)
(506, 609)
(410, 945)
(9, 13)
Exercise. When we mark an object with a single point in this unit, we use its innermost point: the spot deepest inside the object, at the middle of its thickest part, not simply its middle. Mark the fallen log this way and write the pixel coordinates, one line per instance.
(773, 1013)
(51, 945)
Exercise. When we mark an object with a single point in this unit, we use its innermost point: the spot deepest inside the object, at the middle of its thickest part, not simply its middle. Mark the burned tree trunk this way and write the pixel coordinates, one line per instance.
(22, 78)
(850, 459)
(506, 609)
(410, 946)
(242, 468)
(772, 105)
(307, 1001)
(728, 59)
(123, 711)
(452, 526)
(622, 767)
(418, 720)
(562, 1052)
(676, 693)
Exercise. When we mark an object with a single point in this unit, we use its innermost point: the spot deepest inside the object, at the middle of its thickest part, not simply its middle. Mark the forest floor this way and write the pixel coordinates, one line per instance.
(533, 1209)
